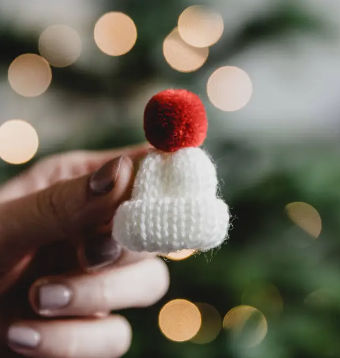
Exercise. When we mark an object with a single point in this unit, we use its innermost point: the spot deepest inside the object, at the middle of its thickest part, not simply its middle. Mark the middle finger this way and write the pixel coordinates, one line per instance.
(137, 285)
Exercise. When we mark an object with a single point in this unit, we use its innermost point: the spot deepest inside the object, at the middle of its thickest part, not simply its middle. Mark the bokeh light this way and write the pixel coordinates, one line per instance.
(115, 33)
(181, 56)
(266, 298)
(306, 217)
(200, 26)
(247, 325)
(211, 324)
(29, 75)
(229, 88)
(179, 255)
(60, 45)
(179, 320)
(322, 298)
(18, 141)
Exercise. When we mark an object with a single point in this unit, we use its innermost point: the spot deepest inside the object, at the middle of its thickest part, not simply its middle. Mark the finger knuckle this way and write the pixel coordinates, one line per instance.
(71, 346)
(78, 154)
(104, 293)
(158, 281)
(52, 166)
(80, 158)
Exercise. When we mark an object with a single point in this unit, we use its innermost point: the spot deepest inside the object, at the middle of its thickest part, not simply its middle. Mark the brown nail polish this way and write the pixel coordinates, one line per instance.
(100, 251)
(104, 179)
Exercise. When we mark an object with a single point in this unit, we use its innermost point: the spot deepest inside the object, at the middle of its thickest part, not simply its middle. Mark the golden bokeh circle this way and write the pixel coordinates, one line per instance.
(180, 255)
(181, 56)
(229, 88)
(211, 324)
(179, 320)
(115, 33)
(200, 26)
(306, 217)
(60, 45)
(19, 141)
(29, 75)
(246, 324)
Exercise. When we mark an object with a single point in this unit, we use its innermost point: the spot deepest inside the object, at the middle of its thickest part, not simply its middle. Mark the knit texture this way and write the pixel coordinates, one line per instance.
(174, 205)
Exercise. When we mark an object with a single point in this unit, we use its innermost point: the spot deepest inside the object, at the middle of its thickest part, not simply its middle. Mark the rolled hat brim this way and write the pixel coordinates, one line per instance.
(170, 224)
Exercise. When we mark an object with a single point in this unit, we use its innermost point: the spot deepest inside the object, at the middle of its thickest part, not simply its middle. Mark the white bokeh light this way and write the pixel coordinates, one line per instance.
(60, 45)
(181, 56)
(18, 141)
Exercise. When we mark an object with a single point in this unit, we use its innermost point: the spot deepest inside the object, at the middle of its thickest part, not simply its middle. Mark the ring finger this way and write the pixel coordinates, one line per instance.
(106, 338)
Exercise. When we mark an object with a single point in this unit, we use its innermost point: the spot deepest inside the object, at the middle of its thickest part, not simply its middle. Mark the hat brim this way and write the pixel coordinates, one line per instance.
(171, 224)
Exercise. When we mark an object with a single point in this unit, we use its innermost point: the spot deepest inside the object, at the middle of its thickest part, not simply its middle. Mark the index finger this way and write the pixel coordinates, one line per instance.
(65, 166)
(135, 152)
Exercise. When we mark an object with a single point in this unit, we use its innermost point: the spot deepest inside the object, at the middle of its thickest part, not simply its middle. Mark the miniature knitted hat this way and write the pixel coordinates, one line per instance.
(174, 203)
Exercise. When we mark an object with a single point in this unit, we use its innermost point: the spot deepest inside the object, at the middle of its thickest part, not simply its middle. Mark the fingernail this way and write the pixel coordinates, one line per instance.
(104, 179)
(100, 251)
(53, 296)
(23, 337)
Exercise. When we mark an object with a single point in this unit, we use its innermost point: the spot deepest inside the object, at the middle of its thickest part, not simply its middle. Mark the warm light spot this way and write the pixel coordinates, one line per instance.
(181, 56)
(29, 75)
(267, 298)
(306, 217)
(60, 45)
(200, 26)
(115, 33)
(180, 255)
(211, 324)
(179, 320)
(18, 141)
(229, 88)
(247, 325)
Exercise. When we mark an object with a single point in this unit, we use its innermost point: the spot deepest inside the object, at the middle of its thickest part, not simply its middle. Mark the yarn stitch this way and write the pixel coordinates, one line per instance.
(174, 205)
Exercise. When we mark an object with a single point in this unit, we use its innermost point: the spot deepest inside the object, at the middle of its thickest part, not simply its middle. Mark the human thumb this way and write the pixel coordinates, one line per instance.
(66, 210)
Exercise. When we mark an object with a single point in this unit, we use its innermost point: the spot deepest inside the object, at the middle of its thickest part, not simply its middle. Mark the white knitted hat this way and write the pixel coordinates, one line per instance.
(174, 203)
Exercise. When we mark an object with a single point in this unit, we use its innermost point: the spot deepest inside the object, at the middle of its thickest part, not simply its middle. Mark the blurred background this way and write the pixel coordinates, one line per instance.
(77, 74)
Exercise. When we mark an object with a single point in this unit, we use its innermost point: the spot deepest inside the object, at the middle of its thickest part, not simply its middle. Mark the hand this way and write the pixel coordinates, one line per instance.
(61, 273)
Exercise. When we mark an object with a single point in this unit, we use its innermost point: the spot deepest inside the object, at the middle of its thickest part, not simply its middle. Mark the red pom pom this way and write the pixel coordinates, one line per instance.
(175, 119)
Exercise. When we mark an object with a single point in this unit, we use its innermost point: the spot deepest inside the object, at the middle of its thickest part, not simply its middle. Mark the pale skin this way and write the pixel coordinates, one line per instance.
(47, 214)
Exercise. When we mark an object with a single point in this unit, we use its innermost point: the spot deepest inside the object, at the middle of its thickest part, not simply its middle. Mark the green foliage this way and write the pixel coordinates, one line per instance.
(262, 246)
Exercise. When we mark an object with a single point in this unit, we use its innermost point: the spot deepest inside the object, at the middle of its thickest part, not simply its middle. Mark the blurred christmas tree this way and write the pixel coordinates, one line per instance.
(273, 261)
